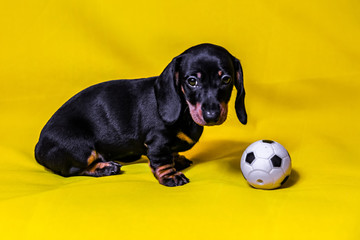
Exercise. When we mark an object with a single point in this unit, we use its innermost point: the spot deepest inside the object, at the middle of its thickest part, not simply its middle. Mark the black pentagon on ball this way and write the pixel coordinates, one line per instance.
(276, 161)
(250, 157)
(268, 141)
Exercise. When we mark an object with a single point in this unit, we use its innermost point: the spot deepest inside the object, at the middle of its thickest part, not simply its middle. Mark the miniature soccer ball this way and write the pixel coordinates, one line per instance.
(266, 164)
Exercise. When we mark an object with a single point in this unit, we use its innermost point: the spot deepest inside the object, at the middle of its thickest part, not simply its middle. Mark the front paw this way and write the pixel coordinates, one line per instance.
(101, 169)
(168, 176)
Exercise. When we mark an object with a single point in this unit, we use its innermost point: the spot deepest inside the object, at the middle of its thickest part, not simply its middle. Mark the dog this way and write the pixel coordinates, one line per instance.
(121, 120)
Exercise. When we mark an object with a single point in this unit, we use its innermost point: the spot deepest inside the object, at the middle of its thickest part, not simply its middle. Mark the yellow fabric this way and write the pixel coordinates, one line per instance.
(301, 63)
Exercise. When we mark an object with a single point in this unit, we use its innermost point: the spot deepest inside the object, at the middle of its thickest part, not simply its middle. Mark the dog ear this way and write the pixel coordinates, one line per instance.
(167, 93)
(240, 97)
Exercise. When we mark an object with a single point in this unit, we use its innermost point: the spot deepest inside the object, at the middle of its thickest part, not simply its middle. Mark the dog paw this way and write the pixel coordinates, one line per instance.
(181, 162)
(168, 176)
(177, 179)
(101, 169)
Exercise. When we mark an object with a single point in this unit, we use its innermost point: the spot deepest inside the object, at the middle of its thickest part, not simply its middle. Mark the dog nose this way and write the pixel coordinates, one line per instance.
(211, 113)
(211, 117)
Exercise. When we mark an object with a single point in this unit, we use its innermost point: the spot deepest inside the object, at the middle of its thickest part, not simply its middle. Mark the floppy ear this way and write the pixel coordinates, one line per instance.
(240, 97)
(166, 93)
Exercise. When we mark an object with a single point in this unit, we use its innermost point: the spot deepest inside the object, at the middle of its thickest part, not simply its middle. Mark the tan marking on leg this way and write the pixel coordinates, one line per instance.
(94, 156)
(185, 138)
(164, 171)
(92, 169)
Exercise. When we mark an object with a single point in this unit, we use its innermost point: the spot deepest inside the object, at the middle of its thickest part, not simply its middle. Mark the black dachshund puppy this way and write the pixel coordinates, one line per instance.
(121, 120)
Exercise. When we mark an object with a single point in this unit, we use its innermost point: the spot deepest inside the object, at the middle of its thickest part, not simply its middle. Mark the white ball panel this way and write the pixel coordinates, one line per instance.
(264, 150)
(278, 182)
(276, 185)
(260, 179)
(280, 150)
(286, 165)
(246, 168)
(261, 164)
(276, 174)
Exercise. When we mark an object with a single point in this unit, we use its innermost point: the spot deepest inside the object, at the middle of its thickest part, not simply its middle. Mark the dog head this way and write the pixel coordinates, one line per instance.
(203, 77)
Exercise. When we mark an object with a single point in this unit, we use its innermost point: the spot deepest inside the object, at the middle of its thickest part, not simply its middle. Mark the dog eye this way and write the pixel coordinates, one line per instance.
(226, 79)
(192, 81)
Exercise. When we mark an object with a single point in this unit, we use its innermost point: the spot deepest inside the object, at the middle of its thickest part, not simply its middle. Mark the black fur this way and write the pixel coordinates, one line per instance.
(122, 120)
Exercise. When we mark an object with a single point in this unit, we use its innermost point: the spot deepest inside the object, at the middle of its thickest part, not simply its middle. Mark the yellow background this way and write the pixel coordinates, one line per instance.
(301, 62)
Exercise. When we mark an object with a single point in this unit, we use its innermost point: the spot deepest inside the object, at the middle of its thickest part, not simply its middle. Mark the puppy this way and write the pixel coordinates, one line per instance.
(121, 120)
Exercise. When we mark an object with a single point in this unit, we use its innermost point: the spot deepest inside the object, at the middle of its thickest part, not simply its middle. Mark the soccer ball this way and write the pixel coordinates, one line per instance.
(266, 164)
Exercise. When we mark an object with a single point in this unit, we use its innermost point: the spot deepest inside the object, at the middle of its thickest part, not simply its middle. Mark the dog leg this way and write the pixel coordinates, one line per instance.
(162, 164)
(181, 162)
(98, 167)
